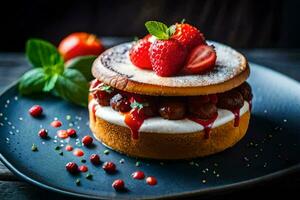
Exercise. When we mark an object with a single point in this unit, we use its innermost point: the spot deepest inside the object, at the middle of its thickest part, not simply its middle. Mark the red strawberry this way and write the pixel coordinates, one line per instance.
(139, 53)
(188, 35)
(167, 57)
(201, 59)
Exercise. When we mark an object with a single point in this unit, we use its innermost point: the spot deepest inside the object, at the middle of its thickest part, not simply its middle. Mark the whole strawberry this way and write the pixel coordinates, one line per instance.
(188, 35)
(167, 55)
(139, 52)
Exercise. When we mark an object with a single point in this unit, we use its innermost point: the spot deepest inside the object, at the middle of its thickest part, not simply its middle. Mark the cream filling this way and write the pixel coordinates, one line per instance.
(161, 125)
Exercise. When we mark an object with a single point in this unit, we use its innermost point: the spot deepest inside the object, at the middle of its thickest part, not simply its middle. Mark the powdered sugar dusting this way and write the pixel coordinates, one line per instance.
(229, 64)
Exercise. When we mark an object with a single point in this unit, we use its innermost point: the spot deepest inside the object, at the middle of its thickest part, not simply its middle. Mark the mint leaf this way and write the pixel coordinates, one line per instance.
(138, 105)
(32, 81)
(171, 30)
(43, 54)
(50, 83)
(106, 88)
(157, 29)
(72, 86)
(82, 64)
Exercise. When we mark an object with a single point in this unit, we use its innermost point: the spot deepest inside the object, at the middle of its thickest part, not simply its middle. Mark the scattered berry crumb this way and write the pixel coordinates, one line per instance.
(56, 123)
(36, 111)
(151, 180)
(87, 140)
(118, 185)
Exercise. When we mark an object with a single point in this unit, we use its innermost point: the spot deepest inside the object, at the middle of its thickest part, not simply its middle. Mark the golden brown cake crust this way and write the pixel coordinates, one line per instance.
(168, 146)
(113, 67)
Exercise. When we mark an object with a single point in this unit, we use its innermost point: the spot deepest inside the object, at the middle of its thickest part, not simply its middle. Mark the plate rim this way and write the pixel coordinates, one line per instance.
(218, 189)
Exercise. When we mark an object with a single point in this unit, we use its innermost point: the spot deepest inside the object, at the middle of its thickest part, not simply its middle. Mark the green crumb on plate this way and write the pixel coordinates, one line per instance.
(89, 176)
(138, 163)
(106, 151)
(68, 117)
(77, 181)
(83, 160)
(61, 153)
(57, 148)
(34, 147)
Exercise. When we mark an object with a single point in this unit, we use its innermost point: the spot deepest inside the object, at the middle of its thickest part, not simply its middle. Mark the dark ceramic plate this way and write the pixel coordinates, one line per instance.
(271, 147)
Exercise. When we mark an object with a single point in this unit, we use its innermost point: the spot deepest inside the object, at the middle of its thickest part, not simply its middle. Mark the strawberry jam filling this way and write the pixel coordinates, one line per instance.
(200, 109)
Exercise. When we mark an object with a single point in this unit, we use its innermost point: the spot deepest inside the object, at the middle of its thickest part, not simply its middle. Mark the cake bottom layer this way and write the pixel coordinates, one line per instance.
(168, 146)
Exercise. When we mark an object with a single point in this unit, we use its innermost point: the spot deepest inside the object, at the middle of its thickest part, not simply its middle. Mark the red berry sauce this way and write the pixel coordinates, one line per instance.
(62, 134)
(151, 180)
(134, 120)
(83, 168)
(69, 148)
(138, 175)
(118, 184)
(78, 152)
(56, 124)
(207, 124)
(236, 113)
(35, 110)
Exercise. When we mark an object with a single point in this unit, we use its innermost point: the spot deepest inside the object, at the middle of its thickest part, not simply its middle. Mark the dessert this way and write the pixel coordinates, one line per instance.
(185, 98)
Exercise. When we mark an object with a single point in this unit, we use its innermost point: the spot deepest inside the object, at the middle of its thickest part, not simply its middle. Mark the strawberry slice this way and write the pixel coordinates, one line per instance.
(201, 59)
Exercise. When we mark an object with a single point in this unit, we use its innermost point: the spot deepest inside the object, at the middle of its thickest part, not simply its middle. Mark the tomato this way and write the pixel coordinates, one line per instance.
(201, 59)
(80, 44)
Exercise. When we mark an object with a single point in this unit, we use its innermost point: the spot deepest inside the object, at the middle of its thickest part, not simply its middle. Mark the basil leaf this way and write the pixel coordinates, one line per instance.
(32, 81)
(82, 64)
(72, 86)
(158, 29)
(43, 54)
(50, 83)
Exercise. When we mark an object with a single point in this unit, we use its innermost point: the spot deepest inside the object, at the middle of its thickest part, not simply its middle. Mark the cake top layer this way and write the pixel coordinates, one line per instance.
(113, 67)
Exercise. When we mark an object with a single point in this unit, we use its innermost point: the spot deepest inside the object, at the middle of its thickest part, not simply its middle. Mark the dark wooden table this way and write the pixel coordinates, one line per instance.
(287, 61)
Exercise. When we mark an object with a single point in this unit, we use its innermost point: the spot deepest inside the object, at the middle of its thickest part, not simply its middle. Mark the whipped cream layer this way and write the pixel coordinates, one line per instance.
(161, 125)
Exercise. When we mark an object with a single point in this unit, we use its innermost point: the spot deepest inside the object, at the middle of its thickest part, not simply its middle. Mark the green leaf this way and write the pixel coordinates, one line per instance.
(107, 88)
(171, 30)
(82, 64)
(43, 54)
(50, 83)
(138, 105)
(32, 81)
(72, 86)
(158, 29)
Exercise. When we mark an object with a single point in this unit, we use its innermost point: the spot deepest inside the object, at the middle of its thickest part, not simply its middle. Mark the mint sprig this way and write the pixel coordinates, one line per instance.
(106, 88)
(160, 30)
(138, 105)
(50, 75)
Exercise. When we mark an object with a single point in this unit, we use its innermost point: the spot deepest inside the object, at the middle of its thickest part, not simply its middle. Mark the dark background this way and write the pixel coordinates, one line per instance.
(241, 24)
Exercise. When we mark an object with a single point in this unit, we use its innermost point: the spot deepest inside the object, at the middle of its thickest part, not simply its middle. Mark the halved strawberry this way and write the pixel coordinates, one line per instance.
(139, 52)
(201, 59)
